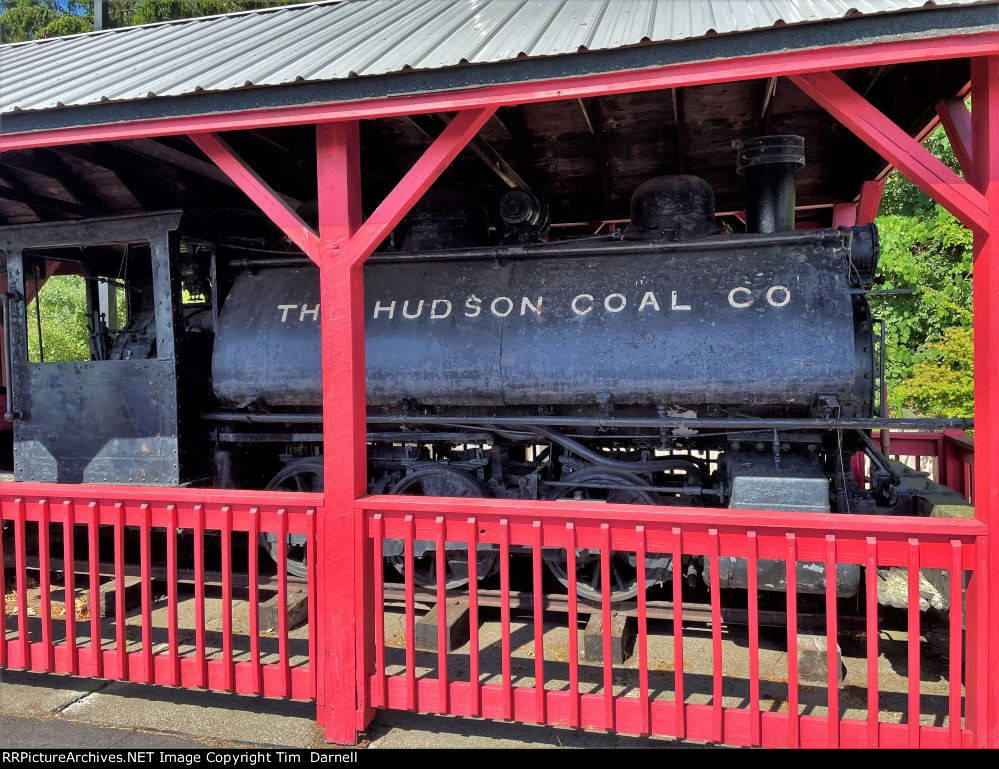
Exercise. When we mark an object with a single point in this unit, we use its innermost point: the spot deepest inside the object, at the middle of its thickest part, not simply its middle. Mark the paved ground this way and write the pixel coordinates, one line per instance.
(45, 711)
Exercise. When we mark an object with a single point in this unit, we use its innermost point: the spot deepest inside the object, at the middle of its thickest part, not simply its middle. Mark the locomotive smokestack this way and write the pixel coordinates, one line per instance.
(769, 164)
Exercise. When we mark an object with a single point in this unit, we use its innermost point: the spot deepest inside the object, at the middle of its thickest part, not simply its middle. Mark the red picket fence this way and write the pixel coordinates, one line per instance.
(957, 546)
(197, 656)
(952, 453)
(201, 546)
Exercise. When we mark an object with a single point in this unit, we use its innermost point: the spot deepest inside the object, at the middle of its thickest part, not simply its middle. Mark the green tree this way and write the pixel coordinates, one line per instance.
(149, 11)
(929, 356)
(22, 20)
(62, 307)
(942, 382)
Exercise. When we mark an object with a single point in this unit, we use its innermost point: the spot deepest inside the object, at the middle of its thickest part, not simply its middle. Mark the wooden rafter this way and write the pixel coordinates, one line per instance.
(591, 114)
(155, 150)
(128, 174)
(18, 192)
(676, 96)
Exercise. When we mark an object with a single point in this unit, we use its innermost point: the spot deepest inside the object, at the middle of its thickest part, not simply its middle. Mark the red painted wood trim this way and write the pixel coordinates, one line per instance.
(896, 146)
(870, 201)
(257, 190)
(956, 120)
(652, 79)
(438, 156)
(844, 214)
(160, 497)
(596, 512)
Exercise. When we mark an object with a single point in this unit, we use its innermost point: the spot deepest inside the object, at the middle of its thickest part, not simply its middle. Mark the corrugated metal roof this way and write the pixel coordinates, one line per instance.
(350, 38)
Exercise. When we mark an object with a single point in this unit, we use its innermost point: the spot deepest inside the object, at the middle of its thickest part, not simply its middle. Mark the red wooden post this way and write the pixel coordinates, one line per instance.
(338, 564)
(346, 656)
(983, 659)
(953, 463)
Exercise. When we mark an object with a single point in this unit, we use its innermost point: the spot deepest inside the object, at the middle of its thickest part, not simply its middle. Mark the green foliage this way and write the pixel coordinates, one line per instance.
(63, 319)
(22, 20)
(929, 359)
(942, 382)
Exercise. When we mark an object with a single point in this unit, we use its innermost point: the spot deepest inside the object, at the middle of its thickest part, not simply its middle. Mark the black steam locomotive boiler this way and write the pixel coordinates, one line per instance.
(672, 365)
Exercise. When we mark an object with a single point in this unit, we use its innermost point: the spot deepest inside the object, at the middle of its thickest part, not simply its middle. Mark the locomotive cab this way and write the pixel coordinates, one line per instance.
(100, 398)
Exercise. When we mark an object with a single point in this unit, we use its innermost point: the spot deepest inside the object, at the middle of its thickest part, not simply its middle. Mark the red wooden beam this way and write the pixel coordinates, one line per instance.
(896, 146)
(870, 201)
(418, 179)
(584, 86)
(983, 594)
(257, 190)
(340, 542)
(956, 120)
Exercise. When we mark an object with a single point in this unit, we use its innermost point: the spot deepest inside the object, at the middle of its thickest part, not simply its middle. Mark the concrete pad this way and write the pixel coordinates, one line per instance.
(411, 730)
(38, 694)
(200, 715)
(56, 733)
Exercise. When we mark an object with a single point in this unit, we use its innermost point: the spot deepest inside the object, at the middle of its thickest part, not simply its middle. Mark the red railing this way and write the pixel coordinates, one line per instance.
(952, 455)
(955, 546)
(180, 642)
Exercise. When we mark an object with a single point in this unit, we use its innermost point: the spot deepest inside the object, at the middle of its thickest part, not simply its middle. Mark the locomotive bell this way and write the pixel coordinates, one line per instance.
(672, 208)
(524, 217)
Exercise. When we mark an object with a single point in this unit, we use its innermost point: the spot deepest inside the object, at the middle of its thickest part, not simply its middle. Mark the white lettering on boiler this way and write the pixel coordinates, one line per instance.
(575, 304)
(649, 300)
(497, 302)
(473, 307)
(619, 302)
(434, 314)
(739, 305)
(772, 294)
(525, 305)
(390, 309)
(405, 310)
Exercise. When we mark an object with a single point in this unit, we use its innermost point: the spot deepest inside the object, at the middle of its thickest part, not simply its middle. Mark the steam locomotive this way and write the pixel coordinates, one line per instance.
(671, 365)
